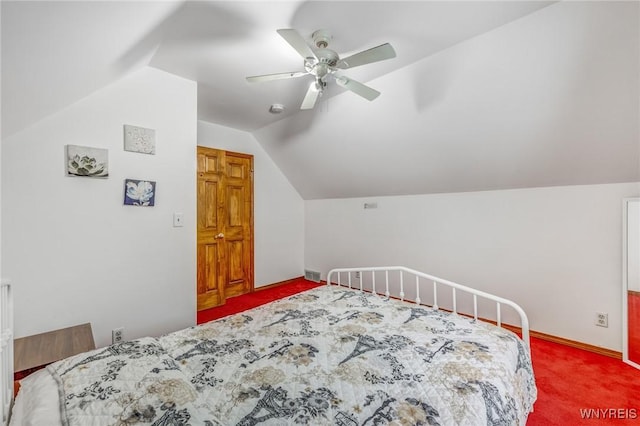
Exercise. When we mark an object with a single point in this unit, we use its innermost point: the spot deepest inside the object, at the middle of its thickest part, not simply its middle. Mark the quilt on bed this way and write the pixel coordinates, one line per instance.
(330, 356)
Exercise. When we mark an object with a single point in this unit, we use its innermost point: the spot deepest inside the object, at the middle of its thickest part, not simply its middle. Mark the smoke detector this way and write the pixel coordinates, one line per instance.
(276, 108)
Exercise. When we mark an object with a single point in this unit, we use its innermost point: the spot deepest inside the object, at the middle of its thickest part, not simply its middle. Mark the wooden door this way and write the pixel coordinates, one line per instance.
(225, 226)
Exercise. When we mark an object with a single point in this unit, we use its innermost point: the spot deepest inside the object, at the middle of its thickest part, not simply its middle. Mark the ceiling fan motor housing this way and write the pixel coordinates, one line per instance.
(323, 65)
(327, 56)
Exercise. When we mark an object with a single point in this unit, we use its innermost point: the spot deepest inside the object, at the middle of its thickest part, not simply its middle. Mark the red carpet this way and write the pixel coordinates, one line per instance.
(575, 387)
(257, 298)
(570, 380)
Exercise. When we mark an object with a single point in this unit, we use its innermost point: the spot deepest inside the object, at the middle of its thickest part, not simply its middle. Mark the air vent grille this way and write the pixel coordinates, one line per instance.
(312, 275)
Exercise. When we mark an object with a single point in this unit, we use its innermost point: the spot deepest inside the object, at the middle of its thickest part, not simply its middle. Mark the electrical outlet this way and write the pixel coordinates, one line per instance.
(602, 319)
(357, 275)
(117, 335)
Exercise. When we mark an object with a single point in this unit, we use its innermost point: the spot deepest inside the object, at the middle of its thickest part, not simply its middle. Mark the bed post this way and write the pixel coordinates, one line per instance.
(6, 350)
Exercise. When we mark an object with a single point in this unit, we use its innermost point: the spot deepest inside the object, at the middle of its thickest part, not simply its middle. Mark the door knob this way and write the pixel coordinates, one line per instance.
(220, 235)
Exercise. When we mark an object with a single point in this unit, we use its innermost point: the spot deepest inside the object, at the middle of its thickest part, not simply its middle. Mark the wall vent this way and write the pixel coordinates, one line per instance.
(312, 275)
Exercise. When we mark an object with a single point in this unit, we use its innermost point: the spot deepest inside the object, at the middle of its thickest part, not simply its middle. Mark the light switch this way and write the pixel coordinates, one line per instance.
(178, 220)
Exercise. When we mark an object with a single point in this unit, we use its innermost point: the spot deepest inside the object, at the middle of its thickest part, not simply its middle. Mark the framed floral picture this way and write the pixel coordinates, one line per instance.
(139, 192)
(86, 161)
(139, 139)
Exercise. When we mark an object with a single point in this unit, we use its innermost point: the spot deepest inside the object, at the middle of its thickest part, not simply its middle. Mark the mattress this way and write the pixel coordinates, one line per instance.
(330, 355)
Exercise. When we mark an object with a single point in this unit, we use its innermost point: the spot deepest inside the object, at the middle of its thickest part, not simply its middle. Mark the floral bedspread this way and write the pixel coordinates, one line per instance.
(329, 356)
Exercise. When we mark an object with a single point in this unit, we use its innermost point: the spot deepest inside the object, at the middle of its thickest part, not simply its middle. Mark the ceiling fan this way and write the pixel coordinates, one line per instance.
(323, 63)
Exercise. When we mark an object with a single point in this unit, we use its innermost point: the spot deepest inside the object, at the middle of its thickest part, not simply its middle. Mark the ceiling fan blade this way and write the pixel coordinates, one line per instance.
(296, 41)
(375, 54)
(313, 93)
(357, 88)
(278, 76)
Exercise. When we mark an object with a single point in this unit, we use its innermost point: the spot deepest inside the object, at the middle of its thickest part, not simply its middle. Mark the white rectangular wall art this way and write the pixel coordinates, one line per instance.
(139, 139)
(86, 161)
(139, 192)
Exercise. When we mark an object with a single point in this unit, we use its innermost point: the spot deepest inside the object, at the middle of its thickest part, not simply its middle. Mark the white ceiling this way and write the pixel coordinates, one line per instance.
(482, 94)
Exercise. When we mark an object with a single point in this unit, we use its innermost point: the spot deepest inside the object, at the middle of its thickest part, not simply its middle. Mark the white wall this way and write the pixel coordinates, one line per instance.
(74, 252)
(1, 275)
(633, 245)
(556, 251)
(278, 208)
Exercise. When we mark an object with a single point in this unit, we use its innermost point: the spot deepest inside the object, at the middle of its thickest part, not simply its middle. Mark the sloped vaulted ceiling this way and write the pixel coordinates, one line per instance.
(549, 99)
(482, 95)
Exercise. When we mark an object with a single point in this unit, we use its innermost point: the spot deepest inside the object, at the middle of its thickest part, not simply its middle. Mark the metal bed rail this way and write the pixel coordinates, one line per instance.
(400, 276)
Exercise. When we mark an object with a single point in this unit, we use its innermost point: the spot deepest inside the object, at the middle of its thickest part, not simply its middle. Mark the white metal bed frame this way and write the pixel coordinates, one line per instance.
(422, 281)
(6, 351)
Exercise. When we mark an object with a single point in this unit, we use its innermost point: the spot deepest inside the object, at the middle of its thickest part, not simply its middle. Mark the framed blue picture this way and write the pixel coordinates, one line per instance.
(139, 192)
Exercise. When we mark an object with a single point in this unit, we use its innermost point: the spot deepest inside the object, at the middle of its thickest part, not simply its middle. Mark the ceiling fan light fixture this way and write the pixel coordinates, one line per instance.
(276, 108)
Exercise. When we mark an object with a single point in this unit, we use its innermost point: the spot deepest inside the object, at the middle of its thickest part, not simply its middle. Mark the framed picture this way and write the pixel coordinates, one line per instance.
(86, 161)
(139, 192)
(139, 139)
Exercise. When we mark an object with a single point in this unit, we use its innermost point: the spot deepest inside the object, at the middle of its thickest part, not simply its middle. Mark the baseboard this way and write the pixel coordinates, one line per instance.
(278, 284)
(578, 345)
(567, 342)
